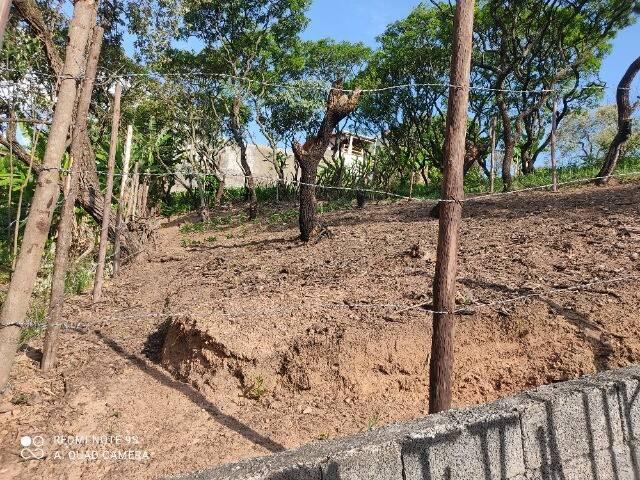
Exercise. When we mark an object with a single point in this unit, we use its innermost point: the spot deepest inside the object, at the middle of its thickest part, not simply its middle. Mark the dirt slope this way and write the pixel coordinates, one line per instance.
(210, 349)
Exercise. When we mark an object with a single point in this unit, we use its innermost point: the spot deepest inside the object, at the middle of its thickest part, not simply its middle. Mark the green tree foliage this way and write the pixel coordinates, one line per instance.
(587, 134)
(538, 45)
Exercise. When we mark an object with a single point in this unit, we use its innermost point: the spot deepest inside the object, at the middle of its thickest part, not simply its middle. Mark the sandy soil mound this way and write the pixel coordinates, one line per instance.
(237, 342)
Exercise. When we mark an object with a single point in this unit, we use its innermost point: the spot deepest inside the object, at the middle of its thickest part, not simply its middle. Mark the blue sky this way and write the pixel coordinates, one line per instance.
(354, 20)
(363, 20)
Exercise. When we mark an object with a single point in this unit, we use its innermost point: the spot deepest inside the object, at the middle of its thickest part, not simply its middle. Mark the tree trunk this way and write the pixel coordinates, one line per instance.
(219, 192)
(625, 122)
(492, 172)
(424, 173)
(474, 152)
(170, 182)
(308, 203)
(309, 155)
(509, 147)
(444, 285)
(104, 234)
(65, 225)
(90, 198)
(527, 148)
(15, 307)
(249, 181)
(205, 214)
(554, 126)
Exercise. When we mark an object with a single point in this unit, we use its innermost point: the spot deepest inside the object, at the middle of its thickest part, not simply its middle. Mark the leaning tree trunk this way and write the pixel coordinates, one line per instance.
(309, 155)
(474, 153)
(625, 122)
(65, 224)
(90, 197)
(15, 307)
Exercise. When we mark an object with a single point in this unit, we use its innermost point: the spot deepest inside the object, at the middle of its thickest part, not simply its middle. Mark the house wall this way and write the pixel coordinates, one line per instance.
(261, 168)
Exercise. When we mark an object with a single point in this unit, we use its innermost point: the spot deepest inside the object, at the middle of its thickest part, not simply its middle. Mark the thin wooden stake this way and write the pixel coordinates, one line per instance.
(104, 234)
(138, 210)
(444, 285)
(16, 228)
(121, 199)
(554, 126)
(411, 184)
(145, 197)
(133, 194)
(493, 155)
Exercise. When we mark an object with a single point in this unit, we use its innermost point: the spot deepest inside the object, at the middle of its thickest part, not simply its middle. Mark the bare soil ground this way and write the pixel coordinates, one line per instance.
(209, 350)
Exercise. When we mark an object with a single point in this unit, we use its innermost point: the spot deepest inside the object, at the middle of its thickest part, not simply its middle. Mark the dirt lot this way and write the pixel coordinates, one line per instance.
(240, 341)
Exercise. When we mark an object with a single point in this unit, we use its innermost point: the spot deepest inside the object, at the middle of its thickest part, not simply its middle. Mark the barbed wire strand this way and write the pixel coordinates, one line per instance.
(468, 309)
(296, 85)
(468, 199)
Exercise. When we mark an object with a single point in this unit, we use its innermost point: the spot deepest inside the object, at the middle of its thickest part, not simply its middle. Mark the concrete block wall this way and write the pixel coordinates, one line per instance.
(582, 429)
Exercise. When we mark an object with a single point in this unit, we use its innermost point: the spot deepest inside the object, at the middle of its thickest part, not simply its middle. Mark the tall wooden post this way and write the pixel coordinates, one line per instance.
(554, 126)
(411, 182)
(133, 193)
(5, 8)
(444, 285)
(492, 172)
(145, 196)
(65, 224)
(106, 214)
(14, 308)
(121, 199)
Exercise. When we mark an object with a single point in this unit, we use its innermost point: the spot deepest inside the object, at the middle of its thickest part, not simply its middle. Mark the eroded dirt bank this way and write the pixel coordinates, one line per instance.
(237, 342)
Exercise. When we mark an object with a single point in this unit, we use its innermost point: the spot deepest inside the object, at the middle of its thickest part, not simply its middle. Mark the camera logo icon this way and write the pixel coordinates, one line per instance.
(32, 447)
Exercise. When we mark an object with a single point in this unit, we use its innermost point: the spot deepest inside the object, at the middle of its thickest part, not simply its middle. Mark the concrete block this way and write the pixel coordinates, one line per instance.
(568, 421)
(275, 467)
(627, 383)
(483, 443)
(374, 462)
(582, 429)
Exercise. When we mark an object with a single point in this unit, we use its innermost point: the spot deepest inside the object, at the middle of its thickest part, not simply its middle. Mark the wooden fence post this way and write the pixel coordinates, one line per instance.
(145, 196)
(121, 199)
(14, 308)
(444, 285)
(65, 224)
(133, 193)
(411, 181)
(104, 234)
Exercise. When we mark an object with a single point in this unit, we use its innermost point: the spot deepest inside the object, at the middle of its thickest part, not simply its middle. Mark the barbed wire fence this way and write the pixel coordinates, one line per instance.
(29, 88)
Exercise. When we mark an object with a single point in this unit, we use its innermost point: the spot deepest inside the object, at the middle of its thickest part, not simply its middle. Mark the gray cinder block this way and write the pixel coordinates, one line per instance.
(480, 443)
(581, 429)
